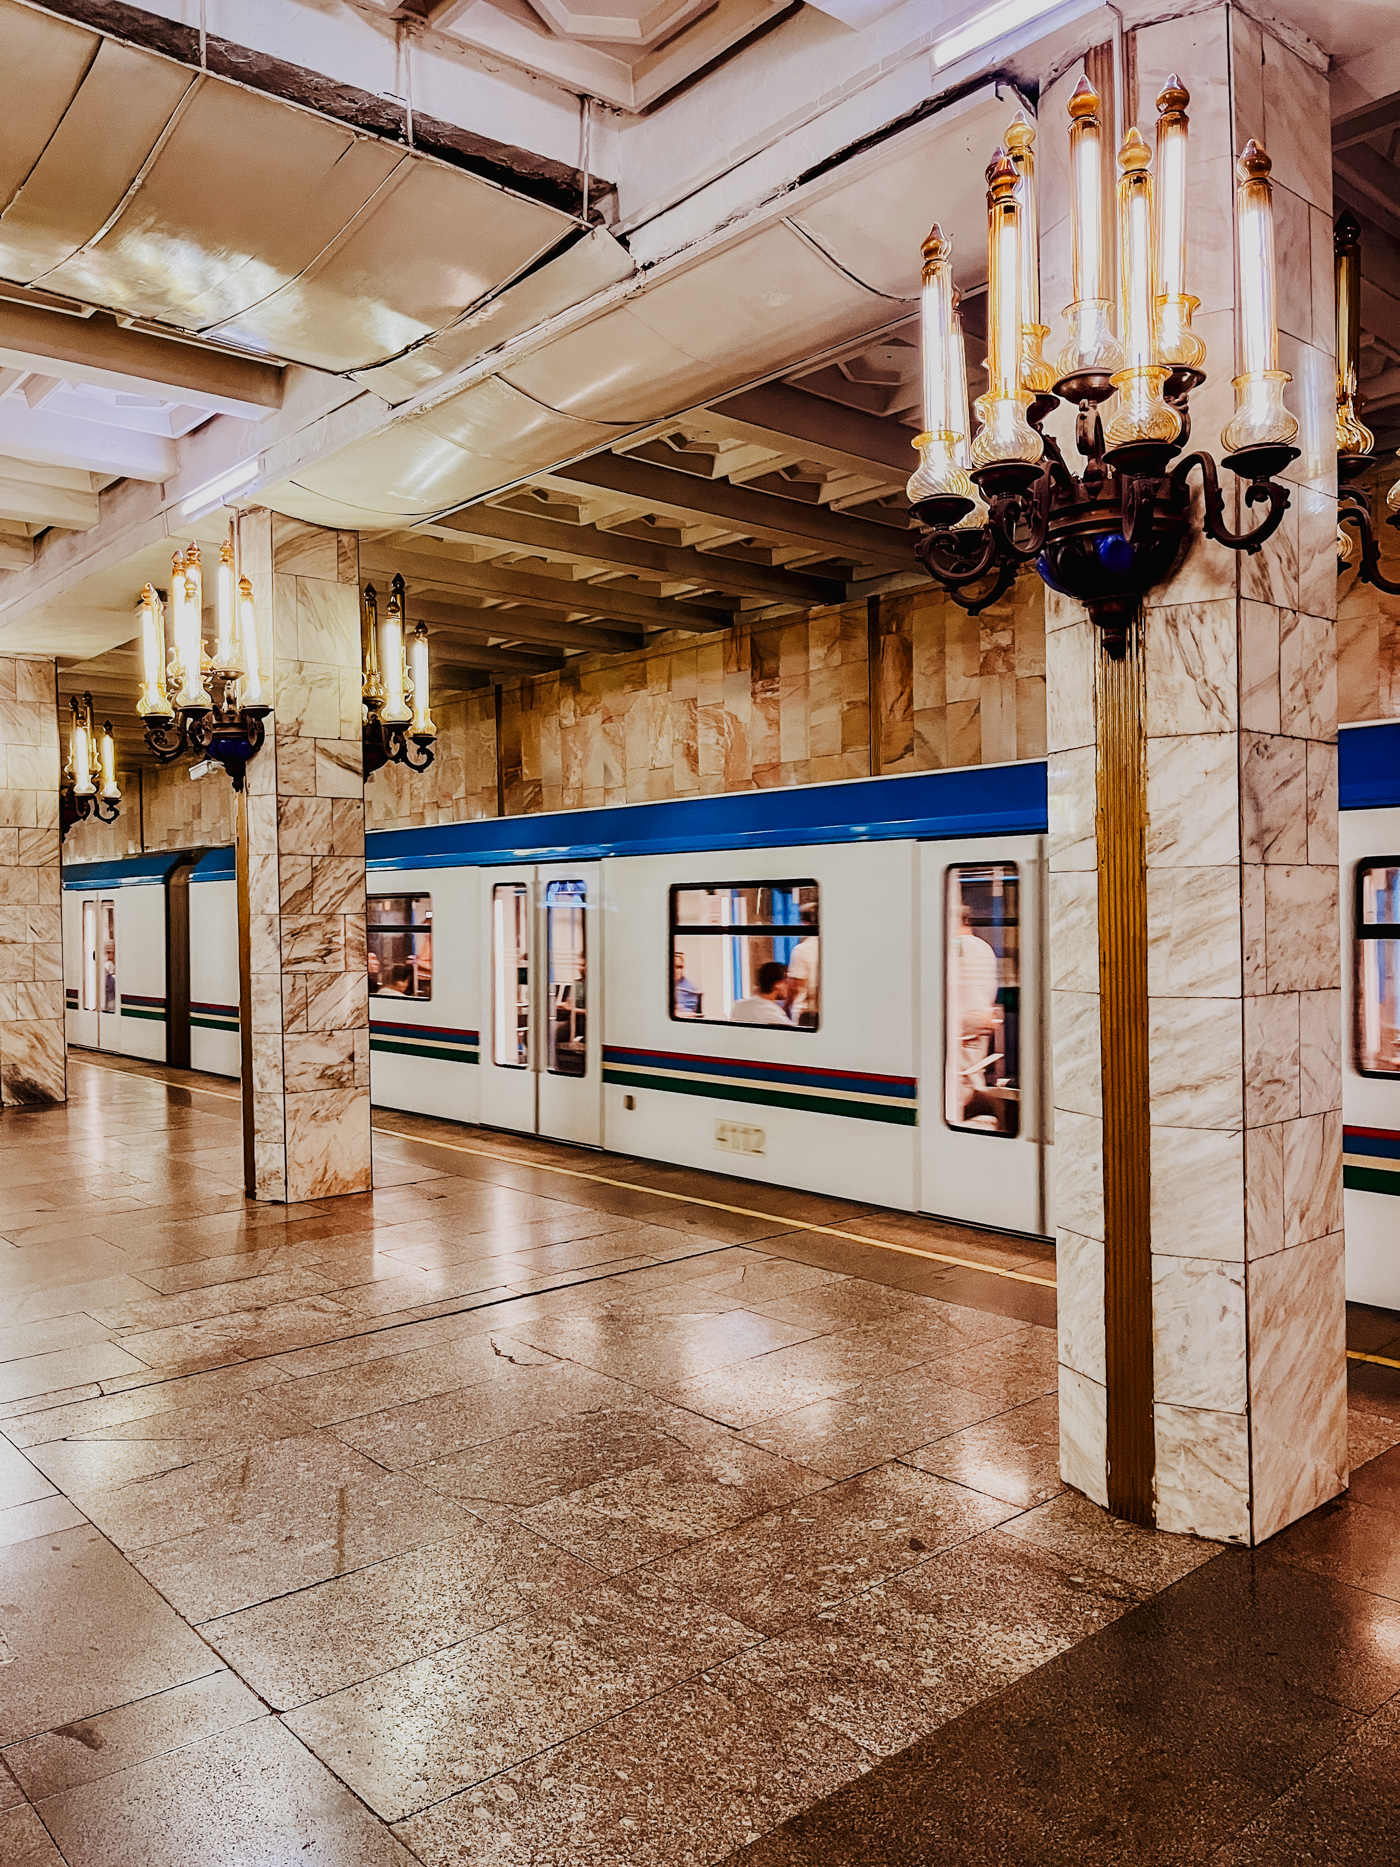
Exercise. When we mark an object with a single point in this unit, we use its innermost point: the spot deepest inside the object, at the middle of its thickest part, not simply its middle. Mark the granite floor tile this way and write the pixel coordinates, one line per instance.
(83, 1632)
(409, 1738)
(657, 1349)
(86, 1751)
(67, 1367)
(20, 1481)
(831, 1544)
(321, 1639)
(249, 1794)
(1013, 1455)
(890, 1665)
(1070, 1526)
(680, 1498)
(869, 1424)
(24, 1840)
(791, 1378)
(45, 1517)
(381, 1381)
(1018, 1366)
(151, 1443)
(680, 1781)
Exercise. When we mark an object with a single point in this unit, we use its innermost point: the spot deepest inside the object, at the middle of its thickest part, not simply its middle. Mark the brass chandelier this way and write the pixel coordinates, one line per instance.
(398, 726)
(1005, 497)
(197, 704)
(1355, 441)
(89, 788)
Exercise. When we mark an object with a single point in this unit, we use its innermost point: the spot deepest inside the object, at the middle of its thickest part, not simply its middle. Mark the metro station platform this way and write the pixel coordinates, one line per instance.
(546, 1506)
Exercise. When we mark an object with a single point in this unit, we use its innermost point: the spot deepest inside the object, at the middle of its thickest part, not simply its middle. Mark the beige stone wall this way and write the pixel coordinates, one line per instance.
(785, 704)
(32, 1054)
(161, 809)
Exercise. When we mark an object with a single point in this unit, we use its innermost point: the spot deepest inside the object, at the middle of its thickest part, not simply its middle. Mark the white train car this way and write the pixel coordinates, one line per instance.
(152, 943)
(1369, 792)
(838, 988)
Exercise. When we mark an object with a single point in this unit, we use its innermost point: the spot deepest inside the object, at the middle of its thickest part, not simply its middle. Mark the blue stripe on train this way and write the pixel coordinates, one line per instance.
(852, 1082)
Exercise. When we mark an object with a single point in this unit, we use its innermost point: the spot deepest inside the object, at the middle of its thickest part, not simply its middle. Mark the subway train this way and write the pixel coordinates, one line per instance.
(841, 987)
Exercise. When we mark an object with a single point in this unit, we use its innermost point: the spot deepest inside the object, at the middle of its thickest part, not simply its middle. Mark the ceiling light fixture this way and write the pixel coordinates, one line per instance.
(184, 718)
(89, 787)
(216, 492)
(398, 726)
(992, 23)
(1009, 499)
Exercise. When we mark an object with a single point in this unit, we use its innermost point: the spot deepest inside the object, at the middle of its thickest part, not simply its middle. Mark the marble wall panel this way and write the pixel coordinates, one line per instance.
(33, 1055)
(1198, 1333)
(1079, 1303)
(1297, 1336)
(1202, 1472)
(1083, 1434)
(1197, 1193)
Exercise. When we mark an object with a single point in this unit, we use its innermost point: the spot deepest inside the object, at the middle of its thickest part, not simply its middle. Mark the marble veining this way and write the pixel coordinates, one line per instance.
(1202, 1472)
(1198, 1333)
(1297, 1380)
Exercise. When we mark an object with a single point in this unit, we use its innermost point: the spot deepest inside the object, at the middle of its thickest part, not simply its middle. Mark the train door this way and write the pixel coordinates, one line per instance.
(97, 1025)
(984, 1090)
(1370, 862)
(541, 1053)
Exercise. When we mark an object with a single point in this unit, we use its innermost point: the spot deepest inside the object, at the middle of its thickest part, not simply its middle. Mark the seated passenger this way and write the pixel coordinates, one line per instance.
(767, 1004)
(400, 983)
(685, 999)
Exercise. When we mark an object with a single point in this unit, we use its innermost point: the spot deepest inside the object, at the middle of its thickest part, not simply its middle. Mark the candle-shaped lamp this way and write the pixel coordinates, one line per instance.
(372, 692)
(1354, 439)
(111, 790)
(1142, 414)
(392, 669)
(1177, 344)
(1036, 373)
(186, 592)
(1092, 350)
(153, 703)
(423, 730)
(940, 473)
(80, 748)
(1005, 433)
(250, 685)
(1260, 418)
(227, 660)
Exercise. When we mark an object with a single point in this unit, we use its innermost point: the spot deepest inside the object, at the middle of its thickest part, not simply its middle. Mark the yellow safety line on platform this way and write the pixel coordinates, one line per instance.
(717, 1205)
(1381, 1361)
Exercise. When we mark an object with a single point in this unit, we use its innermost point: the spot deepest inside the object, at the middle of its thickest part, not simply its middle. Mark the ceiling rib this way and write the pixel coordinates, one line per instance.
(587, 544)
(664, 489)
(520, 625)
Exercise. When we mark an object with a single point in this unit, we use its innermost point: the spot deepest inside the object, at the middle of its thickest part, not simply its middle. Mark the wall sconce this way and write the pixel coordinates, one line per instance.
(398, 726)
(88, 790)
(1355, 441)
(1122, 525)
(225, 724)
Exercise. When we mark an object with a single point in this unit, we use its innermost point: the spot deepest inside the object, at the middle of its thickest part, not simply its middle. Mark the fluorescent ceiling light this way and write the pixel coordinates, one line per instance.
(990, 24)
(216, 492)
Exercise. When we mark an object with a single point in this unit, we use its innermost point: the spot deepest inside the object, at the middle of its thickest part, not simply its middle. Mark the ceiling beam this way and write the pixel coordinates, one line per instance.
(97, 349)
(1371, 120)
(40, 504)
(462, 656)
(92, 446)
(522, 625)
(664, 489)
(1370, 183)
(683, 563)
(550, 593)
(16, 553)
(787, 415)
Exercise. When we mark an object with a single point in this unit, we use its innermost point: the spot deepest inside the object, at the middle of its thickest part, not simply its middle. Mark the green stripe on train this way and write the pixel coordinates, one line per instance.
(142, 1011)
(443, 1054)
(214, 1024)
(1370, 1179)
(904, 1116)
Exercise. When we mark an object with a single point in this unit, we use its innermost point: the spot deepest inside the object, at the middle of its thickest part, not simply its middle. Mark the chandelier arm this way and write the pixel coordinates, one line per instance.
(1369, 570)
(974, 605)
(167, 740)
(961, 571)
(423, 760)
(1271, 490)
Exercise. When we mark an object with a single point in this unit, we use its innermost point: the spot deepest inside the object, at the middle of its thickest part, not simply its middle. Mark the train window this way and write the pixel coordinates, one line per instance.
(1377, 994)
(399, 943)
(510, 973)
(109, 957)
(89, 956)
(746, 953)
(566, 956)
(981, 999)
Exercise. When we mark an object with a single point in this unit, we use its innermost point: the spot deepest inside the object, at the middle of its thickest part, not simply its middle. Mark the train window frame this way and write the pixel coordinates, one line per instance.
(950, 875)
(92, 965)
(410, 927)
(761, 930)
(562, 894)
(1363, 932)
(518, 891)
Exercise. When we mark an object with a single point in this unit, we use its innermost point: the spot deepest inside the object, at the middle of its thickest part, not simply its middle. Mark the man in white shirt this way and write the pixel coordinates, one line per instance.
(805, 974)
(766, 1005)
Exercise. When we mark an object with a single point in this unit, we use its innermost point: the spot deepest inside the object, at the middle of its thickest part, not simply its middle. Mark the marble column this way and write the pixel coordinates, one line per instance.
(1248, 1372)
(302, 872)
(33, 1065)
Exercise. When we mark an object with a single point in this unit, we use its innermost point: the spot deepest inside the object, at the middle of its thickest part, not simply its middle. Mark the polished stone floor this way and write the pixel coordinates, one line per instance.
(550, 1508)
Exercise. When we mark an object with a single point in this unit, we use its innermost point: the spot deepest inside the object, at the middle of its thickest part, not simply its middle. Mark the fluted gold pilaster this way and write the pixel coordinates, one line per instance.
(1121, 827)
